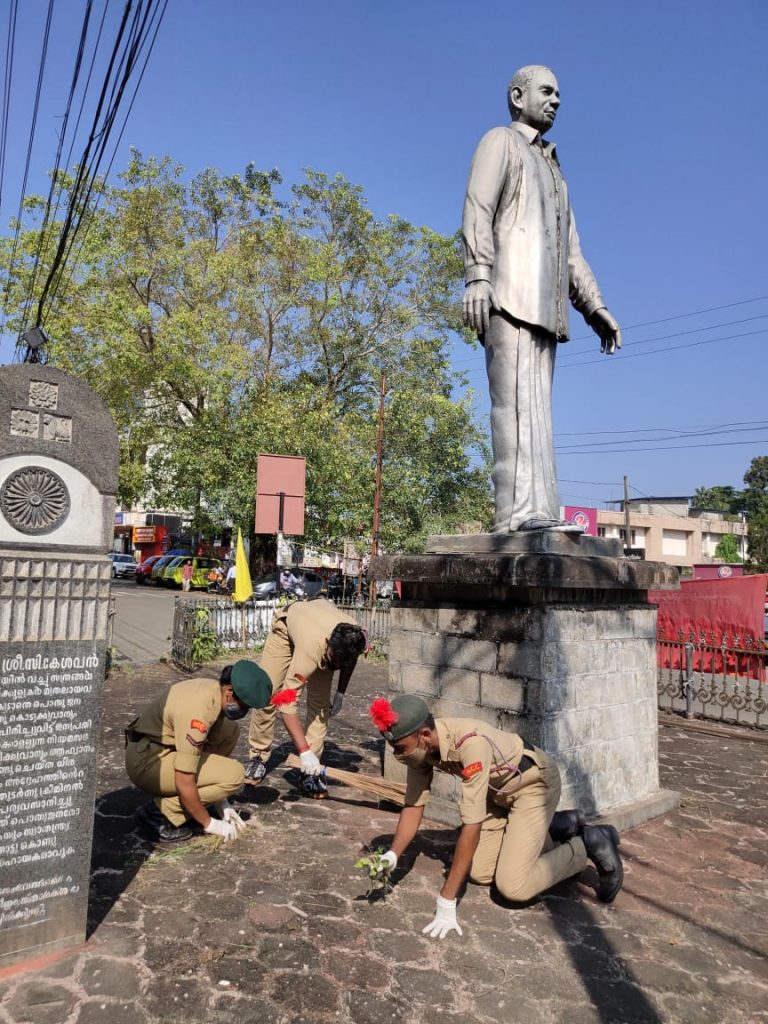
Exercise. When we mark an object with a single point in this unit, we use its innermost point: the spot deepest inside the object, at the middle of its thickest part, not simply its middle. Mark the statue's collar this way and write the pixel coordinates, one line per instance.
(532, 135)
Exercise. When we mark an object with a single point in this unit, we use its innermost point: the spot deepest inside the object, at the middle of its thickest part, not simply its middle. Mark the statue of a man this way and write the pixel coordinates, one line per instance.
(523, 262)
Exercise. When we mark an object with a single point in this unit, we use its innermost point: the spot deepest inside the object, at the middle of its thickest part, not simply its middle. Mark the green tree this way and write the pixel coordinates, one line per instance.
(756, 502)
(728, 548)
(226, 315)
(722, 497)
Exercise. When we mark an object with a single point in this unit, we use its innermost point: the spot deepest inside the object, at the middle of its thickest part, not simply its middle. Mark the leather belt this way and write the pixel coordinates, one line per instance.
(526, 762)
(131, 736)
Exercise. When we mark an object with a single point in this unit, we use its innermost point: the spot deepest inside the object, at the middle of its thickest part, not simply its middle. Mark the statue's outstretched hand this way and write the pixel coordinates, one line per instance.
(479, 299)
(607, 330)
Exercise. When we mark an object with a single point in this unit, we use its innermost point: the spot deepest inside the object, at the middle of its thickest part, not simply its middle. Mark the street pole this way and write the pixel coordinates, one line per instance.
(627, 528)
(377, 486)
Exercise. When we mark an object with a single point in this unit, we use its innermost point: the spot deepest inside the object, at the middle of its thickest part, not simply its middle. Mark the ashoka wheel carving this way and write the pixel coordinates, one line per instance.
(34, 500)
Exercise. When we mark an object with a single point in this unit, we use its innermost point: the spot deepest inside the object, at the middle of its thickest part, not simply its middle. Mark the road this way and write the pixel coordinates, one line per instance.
(143, 620)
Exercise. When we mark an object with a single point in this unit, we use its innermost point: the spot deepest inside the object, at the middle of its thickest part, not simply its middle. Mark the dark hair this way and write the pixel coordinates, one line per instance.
(226, 676)
(347, 641)
(429, 722)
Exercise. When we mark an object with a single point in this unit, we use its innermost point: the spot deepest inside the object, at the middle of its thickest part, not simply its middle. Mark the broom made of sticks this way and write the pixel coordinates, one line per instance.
(392, 791)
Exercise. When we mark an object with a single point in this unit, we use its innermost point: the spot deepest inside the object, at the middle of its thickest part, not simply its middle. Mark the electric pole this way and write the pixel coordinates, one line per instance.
(627, 528)
(377, 485)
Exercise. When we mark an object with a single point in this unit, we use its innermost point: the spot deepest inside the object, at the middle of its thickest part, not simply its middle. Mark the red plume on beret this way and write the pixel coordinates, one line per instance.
(382, 714)
(284, 697)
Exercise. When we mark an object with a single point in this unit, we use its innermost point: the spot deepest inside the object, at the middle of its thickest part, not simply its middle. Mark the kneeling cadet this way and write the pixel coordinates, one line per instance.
(178, 748)
(510, 834)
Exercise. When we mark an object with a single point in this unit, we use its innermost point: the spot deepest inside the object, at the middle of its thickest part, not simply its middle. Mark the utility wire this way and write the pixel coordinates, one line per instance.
(675, 430)
(679, 437)
(10, 46)
(80, 197)
(650, 323)
(35, 109)
(676, 334)
(668, 448)
(74, 261)
(56, 167)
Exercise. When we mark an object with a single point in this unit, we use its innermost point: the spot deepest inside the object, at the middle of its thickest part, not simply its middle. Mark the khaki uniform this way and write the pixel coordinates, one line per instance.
(184, 730)
(294, 657)
(514, 808)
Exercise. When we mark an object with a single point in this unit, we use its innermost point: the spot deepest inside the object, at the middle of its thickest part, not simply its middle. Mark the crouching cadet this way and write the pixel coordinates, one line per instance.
(510, 834)
(178, 751)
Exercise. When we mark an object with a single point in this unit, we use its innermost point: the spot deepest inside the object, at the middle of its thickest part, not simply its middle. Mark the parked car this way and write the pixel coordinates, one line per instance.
(158, 569)
(200, 569)
(122, 565)
(311, 583)
(144, 569)
(164, 575)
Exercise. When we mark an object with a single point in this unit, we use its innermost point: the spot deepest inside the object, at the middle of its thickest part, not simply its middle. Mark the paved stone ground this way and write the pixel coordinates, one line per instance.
(276, 928)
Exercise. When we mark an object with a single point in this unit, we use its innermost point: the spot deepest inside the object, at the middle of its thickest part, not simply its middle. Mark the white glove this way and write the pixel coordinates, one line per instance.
(388, 862)
(228, 813)
(225, 829)
(338, 700)
(444, 920)
(310, 764)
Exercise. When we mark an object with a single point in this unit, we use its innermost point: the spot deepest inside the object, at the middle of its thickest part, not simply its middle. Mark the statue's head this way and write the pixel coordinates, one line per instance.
(534, 96)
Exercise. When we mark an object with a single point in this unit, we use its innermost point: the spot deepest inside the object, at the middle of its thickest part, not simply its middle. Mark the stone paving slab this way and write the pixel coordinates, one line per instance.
(276, 928)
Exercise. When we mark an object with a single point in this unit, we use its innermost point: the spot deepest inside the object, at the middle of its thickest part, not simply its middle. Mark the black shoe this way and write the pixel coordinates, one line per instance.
(566, 825)
(255, 771)
(151, 818)
(602, 849)
(313, 786)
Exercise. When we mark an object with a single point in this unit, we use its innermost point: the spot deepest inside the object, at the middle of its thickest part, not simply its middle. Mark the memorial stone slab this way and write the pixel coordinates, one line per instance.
(58, 480)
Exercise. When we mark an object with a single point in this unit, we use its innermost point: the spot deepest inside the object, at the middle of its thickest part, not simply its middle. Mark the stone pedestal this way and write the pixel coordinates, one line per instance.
(58, 479)
(545, 634)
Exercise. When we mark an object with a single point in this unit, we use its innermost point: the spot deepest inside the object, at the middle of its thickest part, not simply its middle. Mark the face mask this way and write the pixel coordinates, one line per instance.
(416, 758)
(234, 711)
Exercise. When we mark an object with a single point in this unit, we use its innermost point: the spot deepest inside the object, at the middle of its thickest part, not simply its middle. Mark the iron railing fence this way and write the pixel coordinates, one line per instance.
(723, 679)
(203, 626)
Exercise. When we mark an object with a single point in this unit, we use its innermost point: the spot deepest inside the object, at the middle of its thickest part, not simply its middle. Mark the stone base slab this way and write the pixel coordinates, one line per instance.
(540, 542)
(664, 801)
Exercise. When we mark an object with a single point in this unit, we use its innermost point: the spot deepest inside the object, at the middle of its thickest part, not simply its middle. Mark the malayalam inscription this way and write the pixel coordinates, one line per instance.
(49, 710)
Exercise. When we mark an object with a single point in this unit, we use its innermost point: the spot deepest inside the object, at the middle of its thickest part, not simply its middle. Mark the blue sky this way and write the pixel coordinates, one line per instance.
(660, 134)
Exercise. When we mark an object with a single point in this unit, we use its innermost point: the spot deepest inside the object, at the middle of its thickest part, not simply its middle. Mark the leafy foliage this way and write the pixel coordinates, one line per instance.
(728, 548)
(205, 640)
(377, 872)
(227, 315)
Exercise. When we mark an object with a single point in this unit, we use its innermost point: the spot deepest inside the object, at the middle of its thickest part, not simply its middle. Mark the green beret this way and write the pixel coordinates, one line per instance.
(411, 713)
(251, 684)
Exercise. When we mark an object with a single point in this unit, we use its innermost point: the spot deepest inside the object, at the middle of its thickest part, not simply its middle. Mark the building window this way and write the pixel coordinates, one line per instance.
(633, 534)
(601, 531)
(674, 543)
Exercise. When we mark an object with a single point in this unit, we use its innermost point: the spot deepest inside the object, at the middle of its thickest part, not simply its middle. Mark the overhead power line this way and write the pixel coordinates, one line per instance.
(674, 430)
(30, 143)
(650, 323)
(55, 182)
(607, 445)
(666, 448)
(74, 261)
(10, 46)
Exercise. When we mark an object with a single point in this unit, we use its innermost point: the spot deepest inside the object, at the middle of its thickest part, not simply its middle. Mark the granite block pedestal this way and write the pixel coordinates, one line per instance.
(58, 479)
(547, 634)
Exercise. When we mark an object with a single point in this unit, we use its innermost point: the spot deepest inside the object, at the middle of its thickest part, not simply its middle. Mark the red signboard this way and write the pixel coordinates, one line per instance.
(144, 535)
(582, 517)
(280, 489)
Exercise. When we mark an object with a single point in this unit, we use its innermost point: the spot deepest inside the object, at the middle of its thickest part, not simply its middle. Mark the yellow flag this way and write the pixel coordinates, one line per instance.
(243, 585)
